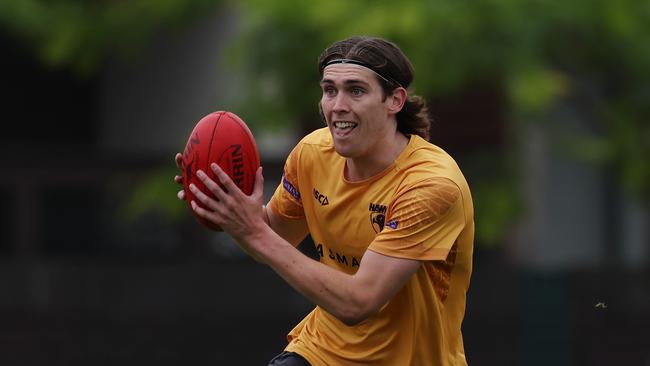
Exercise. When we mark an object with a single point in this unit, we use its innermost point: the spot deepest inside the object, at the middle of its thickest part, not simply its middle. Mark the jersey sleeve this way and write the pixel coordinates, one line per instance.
(423, 222)
(287, 200)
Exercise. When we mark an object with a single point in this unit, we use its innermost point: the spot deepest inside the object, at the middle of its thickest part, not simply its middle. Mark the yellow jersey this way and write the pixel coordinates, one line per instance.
(419, 208)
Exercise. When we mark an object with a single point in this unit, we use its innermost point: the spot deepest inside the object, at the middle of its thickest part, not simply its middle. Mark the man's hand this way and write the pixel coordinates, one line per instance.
(179, 178)
(238, 214)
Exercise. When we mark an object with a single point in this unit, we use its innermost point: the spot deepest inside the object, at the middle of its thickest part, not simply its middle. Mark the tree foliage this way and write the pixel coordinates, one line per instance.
(81, 34)
(592, 55)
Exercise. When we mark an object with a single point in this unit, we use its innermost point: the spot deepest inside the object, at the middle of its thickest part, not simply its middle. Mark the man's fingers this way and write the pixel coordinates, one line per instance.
(178, 178)
(211, 185)
(203, 198)
(206, 214)
(224, 179)
(179, 160)
(258, 187)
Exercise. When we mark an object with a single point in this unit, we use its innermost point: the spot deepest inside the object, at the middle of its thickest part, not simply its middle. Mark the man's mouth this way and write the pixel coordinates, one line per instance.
(344, 125)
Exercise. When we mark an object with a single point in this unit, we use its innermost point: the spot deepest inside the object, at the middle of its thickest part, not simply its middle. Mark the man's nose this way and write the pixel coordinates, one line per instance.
(341, 103)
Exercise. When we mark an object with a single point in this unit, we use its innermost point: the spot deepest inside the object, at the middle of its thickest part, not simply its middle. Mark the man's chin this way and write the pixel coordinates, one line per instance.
(344, 152)
(341, 150)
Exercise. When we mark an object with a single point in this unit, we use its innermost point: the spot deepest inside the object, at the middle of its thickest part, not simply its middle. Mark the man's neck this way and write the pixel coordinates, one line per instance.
(358, 169)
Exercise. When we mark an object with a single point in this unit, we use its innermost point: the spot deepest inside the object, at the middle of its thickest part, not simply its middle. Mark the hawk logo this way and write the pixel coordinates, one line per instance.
(377, 216)
(321, 198)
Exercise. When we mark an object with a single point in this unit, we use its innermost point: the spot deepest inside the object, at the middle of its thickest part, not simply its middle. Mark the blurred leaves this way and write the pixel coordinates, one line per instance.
(594, 54)
(81, 34)
(534, 90)
(536, 48)
(495, 207)
(156, 193)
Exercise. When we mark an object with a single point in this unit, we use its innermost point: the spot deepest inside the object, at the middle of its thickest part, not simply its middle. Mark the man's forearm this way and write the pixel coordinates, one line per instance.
(265, 209)
(332, 290)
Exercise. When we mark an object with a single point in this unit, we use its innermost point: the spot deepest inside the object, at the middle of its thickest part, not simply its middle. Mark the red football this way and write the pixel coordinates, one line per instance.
(222, 138)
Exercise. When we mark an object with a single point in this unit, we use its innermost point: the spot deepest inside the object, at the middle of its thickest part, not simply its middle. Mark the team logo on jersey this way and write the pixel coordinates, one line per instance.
(377, 216)
(321, 198)
(392, 224)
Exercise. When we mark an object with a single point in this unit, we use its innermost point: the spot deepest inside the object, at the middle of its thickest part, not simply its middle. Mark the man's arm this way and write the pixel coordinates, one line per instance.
(293, 231)
(350, 298)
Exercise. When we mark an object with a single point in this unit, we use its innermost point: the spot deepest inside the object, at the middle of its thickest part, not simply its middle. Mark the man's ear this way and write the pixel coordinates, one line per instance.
(397, 100)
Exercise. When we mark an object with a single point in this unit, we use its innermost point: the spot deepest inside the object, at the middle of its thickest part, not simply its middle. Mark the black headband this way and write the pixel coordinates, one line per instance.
(362, 64)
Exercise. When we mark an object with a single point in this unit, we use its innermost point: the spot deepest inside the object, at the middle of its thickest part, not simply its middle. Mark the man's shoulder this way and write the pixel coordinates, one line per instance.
(315, 147)
(425, 158)
(428, 165)
(318, 138)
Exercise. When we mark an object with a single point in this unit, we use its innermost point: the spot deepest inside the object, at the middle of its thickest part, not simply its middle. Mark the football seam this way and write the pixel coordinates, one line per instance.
(214, 130)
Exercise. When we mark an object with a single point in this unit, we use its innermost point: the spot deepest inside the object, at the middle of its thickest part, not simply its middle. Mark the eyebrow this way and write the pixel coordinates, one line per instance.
(346, 82)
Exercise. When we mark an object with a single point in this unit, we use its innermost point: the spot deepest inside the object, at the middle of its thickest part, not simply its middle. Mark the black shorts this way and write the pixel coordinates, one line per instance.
(288, 359)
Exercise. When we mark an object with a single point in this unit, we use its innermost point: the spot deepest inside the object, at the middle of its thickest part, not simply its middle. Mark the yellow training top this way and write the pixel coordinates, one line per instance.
(420, 208)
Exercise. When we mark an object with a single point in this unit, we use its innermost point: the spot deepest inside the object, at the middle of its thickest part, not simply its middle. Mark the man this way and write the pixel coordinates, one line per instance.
(390, 213)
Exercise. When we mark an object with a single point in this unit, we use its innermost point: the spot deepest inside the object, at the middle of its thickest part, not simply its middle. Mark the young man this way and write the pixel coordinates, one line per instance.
(390, 213)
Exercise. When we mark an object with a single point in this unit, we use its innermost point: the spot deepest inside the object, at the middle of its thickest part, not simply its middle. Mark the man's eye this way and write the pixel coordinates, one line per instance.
(329, 92)
(357, 92)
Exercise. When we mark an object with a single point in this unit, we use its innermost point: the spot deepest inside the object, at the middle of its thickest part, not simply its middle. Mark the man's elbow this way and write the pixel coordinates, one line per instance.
(352, 318)
(358, 312)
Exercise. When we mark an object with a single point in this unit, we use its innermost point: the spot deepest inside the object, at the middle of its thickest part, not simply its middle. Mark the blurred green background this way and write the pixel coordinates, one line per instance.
(545, 105)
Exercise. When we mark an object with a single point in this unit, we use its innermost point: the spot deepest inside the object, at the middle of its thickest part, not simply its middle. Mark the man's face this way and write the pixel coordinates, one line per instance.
(356, 112)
